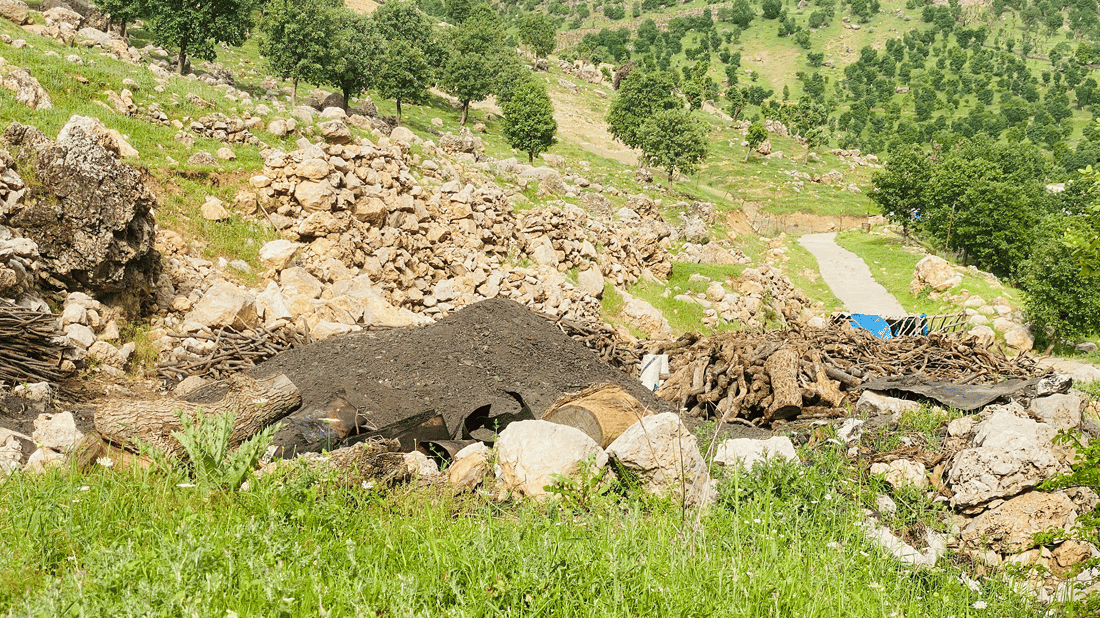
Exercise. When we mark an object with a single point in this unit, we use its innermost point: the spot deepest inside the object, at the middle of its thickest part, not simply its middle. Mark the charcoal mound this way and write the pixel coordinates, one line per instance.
(494, 353)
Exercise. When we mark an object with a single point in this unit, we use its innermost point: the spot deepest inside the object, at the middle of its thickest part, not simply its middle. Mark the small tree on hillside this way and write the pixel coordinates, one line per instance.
(194, 28)
(357, 51)
(529, 124)
(296, 39)
(468, 73)
(742, 13)
(899, 189)
(122, 13)
(674, 140)
(641, 95)
(538, 31)
(404, 75)
(410, 52)
(755, 136)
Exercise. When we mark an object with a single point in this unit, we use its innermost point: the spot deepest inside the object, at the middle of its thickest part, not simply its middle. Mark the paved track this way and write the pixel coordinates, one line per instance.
(849, 277)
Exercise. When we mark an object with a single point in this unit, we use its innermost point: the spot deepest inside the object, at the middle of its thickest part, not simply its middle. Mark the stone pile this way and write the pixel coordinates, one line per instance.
(757, 296)
(73, 29)
(988, 470)
(18, 264)
(92, 329)
(223, 128)
(985, 319)
(565, 238)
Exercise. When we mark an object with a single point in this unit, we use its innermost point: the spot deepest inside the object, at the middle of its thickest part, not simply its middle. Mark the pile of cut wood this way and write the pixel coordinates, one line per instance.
(780, 375)
(30, 345)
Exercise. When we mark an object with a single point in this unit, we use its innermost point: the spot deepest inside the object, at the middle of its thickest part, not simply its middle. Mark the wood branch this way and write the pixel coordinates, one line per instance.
(827, 390)
(782, 369)
(256, 403)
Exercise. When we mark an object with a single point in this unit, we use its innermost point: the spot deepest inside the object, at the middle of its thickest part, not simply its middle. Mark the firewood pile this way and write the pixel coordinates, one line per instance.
(602, 339)
(779, 375)
(30, 348)
(220, 353)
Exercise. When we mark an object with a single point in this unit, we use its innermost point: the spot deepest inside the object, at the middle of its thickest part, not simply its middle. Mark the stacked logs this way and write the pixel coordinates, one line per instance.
(779, 375)
(30, 348)
(232, 352)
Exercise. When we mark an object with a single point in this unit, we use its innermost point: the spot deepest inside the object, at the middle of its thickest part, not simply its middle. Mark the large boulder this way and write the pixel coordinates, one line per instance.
(532, 454)
(15, 11)
(1011, 454)
(92, 17)
(549, 179)
(936, 272)
(1010, 527)
(1060, 411)
(747, 452)
(663, 453)
(225, 305)
(645, 317)
(94, 219)
(26, 88)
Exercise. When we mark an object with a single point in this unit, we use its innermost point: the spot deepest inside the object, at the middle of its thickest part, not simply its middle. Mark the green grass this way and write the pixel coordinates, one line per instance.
(683, 316)
(134, 543)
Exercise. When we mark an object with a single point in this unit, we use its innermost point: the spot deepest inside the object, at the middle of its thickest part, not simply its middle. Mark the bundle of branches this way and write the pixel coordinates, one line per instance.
(779, 375)
(31, 345)
(604, 341)
(233, 351)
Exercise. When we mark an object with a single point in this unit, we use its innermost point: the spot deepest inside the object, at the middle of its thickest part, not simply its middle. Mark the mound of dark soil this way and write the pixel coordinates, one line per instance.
(471, 359)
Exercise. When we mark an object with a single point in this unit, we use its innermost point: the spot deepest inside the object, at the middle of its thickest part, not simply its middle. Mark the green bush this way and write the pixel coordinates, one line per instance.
(205, 438)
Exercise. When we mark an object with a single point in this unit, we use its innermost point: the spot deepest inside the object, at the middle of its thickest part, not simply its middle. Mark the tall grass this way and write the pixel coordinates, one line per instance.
(782, 541)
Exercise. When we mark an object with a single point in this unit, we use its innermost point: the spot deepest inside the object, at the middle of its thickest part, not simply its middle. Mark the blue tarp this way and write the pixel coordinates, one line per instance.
(878, 326)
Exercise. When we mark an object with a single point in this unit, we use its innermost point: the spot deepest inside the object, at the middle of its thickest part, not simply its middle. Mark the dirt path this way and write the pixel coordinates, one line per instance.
(849, 277)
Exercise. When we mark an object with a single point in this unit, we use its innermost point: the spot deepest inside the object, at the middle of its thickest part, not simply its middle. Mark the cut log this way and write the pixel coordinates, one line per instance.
(603, 411)
(782, 369)
(256, 403)
(93, 449)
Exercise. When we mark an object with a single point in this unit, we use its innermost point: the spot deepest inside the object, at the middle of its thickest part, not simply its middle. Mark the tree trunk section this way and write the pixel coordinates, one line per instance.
(93, 449)
(256, 403)
(398, 112)
(827, 390)
(603, 411)
(182, 61)
(782, 369)
(294, 94)
(465, 112)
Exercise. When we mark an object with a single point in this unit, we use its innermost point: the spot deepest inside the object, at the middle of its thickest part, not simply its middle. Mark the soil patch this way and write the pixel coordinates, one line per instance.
(486, 354)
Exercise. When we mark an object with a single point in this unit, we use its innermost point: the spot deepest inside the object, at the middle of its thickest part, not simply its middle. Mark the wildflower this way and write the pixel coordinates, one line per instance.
(106, 462)
(980, 605)
(84, 488)
(185, 485)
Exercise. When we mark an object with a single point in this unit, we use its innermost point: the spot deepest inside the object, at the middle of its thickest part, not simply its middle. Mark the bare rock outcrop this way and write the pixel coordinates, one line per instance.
(91, 215)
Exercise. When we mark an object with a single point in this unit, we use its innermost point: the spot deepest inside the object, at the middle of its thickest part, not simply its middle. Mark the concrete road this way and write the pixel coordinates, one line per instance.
(849, 277)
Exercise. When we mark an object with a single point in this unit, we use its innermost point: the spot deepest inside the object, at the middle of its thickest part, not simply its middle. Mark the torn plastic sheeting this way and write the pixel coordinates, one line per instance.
(965, 397)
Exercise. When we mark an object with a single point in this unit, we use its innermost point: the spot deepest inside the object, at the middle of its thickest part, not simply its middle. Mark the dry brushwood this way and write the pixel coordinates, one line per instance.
(234, 351)
(781, 374)
(30, 345)
(604, 341)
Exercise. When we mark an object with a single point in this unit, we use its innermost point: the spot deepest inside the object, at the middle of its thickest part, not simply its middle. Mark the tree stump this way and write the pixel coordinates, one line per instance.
(782, 369)
(256, 403)
(603, 411)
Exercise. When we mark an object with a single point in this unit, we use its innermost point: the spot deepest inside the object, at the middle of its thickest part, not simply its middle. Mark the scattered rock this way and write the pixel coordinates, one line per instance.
(26, 88)
(1011, 526)
(747, 452)
(664, 455)
(531, 454)
(213, 209)
(936, 272)
(57, 432)
(902, 472)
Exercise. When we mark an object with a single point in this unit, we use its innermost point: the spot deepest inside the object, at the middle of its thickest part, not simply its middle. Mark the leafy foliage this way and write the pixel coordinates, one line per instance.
(195, 28)
(529, 124)
(539, 32)
(295, 39)
(641, 95)
(674, 140)
(358, 50)
(205, 438)
(1058, 296)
